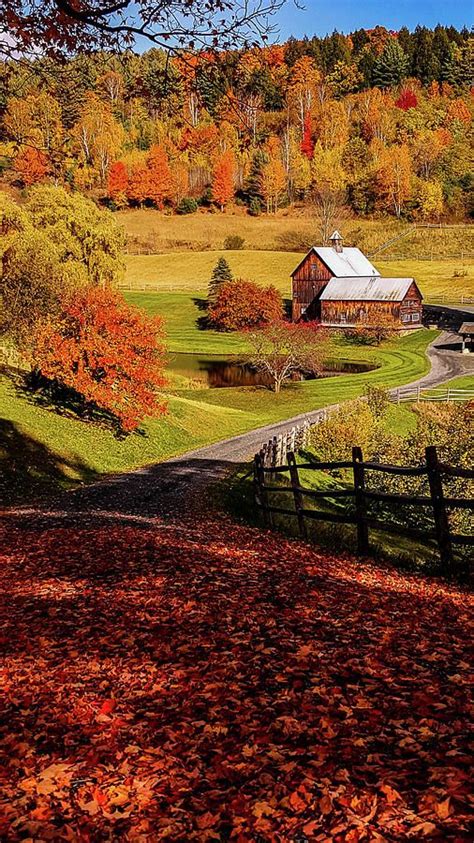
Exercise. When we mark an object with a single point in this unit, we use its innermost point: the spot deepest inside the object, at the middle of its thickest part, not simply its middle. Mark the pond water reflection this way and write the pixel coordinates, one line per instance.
(218, 371)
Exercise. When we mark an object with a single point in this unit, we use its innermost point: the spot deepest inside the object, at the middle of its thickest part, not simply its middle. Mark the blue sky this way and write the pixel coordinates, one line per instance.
(319, 18)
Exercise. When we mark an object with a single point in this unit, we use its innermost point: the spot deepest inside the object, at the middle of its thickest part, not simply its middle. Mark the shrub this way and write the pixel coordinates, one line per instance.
(188, 205)
(234, 242)
(108, 353)
(378, 400)
(377, 327)
(243, 304)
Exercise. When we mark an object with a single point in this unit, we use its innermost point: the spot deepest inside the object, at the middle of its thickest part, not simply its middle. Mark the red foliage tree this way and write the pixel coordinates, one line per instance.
(223, 180)
(31, 165)
(242, 304)
(160, 183)
(117, 185)
(407, 99)
(108, 352)
(307, 143)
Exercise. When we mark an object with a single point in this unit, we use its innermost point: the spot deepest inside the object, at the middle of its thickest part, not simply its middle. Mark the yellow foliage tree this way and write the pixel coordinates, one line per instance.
(394, 173)
(273, 183)
(329, 181)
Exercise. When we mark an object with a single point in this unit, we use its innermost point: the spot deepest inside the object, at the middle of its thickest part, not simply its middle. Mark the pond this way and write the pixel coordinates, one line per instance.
(219, 371)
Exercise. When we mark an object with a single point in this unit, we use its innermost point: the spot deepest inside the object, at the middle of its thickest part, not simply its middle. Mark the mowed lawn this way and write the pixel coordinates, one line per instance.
(179, 282)
(41, 449)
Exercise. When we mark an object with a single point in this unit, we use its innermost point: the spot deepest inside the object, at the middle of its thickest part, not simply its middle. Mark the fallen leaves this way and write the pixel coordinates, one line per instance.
(171, 685)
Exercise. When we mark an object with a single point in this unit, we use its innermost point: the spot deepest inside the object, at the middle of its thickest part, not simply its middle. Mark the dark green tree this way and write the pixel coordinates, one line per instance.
(220, 274)
(425, 65)
(392, 65)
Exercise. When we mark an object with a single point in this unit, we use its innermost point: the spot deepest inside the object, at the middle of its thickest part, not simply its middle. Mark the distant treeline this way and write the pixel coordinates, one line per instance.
(379, 121)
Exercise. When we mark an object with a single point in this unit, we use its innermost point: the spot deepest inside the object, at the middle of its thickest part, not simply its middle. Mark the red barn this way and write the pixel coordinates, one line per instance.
(339, 286)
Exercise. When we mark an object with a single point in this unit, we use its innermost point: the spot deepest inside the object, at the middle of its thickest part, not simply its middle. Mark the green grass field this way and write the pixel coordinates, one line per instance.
(41, 450)
(190, 271)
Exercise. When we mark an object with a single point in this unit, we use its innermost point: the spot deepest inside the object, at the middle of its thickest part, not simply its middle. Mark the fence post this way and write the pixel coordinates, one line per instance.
(260, 491)
(439, 507)
(297, 496)
(360, 502)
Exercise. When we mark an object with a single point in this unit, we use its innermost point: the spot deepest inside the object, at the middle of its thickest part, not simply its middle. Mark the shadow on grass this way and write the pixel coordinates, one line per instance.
(30, 471)
(203, 322)
(64, 401)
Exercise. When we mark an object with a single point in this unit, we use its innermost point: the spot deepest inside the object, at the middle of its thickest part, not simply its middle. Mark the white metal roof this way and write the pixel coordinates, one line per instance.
(346, 264)
(366, 289)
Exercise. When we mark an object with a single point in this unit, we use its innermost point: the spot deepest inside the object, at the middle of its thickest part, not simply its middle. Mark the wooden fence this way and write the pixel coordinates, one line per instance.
(445, 298)
(433, 469)
(437, 393)
(273, 453)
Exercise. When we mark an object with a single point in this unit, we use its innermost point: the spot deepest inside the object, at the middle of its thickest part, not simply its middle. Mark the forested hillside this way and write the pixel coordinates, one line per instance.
(378, 121)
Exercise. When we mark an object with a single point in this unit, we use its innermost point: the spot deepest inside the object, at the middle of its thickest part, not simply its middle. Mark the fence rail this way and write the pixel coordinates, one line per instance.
(433, 469)
(436, 393)
(445, 298)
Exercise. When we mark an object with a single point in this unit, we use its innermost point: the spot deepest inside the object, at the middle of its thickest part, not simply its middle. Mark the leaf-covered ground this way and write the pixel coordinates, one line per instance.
(213, 682)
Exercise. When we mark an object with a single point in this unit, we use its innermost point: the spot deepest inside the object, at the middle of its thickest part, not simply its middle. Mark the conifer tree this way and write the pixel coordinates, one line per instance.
(220, 274)
(392, 65)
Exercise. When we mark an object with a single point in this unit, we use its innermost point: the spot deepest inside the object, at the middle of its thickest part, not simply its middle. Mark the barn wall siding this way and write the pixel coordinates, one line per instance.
(308, 280)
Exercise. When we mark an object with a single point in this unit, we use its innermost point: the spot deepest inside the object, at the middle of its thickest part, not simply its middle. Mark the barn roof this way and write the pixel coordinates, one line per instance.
(345, 264)
(367, 288)
(467, 328)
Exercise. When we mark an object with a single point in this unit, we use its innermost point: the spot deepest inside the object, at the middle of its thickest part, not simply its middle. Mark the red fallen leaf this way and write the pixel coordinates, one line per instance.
(391, 794)
(99, 796)
(42, 813)
(207, 820)
(296, 802)
(325, 804)
(311, 827)
(108, 706)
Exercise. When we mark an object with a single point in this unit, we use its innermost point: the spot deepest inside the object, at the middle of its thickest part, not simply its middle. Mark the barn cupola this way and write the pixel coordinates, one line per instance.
(336, 241)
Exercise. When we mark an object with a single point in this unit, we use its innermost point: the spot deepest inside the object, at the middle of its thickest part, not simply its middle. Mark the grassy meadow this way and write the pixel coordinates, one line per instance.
(290, 230)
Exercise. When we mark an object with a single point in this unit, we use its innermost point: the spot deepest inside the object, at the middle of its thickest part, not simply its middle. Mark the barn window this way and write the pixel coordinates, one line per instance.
(405, 317)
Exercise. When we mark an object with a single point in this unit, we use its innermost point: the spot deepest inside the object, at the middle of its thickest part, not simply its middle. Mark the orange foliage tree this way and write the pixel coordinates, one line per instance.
(117, 184)
(160, 183)
(243, 304)
(107, 352)
(223, 179)
(31, 165)
(139, 184)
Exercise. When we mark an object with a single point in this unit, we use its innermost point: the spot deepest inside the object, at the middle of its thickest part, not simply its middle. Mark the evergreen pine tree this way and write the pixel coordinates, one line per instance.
(220, 274)
(392, 65)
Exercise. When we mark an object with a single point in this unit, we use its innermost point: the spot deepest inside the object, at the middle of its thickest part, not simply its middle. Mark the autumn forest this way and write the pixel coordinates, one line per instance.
(377, 121)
